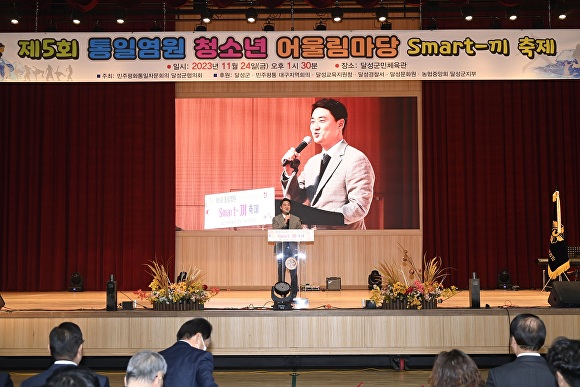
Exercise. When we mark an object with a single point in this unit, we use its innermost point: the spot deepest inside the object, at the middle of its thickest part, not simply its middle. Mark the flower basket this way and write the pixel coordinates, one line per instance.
(179, 305)
(395, 304)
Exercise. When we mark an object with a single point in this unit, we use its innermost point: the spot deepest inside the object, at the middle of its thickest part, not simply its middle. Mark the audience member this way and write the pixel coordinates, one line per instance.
(5, 380)
(564, 358)
(188, 363)
(66, 348)
(73, 376)
(527, 336)
(455, 369)
(145, 369)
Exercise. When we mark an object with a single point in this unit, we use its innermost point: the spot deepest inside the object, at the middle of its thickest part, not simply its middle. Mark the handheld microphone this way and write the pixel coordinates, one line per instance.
(307, 140)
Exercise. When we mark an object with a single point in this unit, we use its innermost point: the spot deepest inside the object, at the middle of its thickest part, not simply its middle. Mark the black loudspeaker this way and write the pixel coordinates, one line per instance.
(76, 283)
(474, 292)
(112, 294)
(2, 303)
(565, 294)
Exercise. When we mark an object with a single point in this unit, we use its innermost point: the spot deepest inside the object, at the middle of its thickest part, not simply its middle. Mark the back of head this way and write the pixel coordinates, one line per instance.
(145, 366)
(528, 331)
(65, 341)
(336, 108)
(73, 376)
(455, 369)
(193, 327)
(564, 357)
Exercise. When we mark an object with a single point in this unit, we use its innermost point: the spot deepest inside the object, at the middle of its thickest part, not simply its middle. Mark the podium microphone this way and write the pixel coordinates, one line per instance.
(307, 140)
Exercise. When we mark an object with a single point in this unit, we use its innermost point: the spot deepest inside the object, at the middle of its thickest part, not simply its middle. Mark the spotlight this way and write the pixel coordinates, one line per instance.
(375, 279)
(562, 11)
(251, 15)
(503, 280)
(76, 283)
(181, 277)
(337, 14)
(386, 26)
(320, 26)
(14, 17)
(281, 296)
(98, 27)
(268, 26)
(382, 14)
(512, 13)
(201, 27)
(75, 17)
(120, 16)
(205, 15)
(432, 25)
(467, 12)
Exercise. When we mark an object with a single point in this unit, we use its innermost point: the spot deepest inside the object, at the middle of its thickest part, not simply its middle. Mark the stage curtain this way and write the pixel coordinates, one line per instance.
(494, 152)
(88, 183)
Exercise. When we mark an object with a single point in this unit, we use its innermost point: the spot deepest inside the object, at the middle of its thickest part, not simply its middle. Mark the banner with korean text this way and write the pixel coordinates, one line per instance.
(290, 56)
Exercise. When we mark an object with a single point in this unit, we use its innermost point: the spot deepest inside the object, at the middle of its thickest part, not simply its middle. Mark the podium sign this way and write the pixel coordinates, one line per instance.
(293, 235)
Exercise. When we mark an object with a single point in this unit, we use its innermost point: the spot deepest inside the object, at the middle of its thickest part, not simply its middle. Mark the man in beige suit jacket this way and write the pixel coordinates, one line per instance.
(347, 181)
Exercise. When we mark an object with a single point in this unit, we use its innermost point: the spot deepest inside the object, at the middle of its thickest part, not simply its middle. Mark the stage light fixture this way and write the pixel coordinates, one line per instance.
(387, 25)
(120, 16)
(320, 26)
(382, 14)
(251, 15)
(432, 25)
(76, 283)
(282, 296)
(14, 17)
(268, 26)
(503, 280)
(562, 11)
(337, 14)
(375, 279)
(512, 13)
(201, 27)
(467, 12)
(181, 277)
(98, 27)
(206, 15)
(75, 17)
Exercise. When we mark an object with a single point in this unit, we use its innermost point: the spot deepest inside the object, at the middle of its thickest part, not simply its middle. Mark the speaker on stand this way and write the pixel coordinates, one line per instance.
(112, 294)
(565, 294)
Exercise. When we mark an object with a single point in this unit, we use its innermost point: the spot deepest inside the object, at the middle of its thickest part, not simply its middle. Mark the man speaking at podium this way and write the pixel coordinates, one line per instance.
(286, 251)
(340, 178)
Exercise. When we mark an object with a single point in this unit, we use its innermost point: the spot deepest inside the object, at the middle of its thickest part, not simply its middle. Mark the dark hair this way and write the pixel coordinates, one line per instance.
(564, 357)
(455, 369)
(528, 331)
(73, 376)
(336, 108)
(193, 327)
(65, 341)
(285, 200)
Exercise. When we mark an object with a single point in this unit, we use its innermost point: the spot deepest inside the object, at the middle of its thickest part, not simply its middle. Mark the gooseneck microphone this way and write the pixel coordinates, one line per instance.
(307, 140)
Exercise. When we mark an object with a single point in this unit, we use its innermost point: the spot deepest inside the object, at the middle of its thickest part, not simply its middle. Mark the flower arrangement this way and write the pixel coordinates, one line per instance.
(187, 289)
(426, 285)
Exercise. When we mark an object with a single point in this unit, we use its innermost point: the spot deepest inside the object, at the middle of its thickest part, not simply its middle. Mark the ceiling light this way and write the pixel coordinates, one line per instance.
(268, 26)
(75, 17)
(382, 14)
(14, 18)
(512, 13)
(205, 15)
(562, 11)
(337, 14)
(320, 26)
(467, 12)
(120, 16)
(251, 15)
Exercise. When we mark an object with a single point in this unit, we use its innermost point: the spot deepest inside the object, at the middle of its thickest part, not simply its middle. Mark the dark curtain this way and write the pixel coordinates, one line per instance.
(87, 176)
(494, 152)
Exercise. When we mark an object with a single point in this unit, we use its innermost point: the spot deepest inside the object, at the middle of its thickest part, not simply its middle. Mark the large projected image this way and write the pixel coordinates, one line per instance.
(236, 144)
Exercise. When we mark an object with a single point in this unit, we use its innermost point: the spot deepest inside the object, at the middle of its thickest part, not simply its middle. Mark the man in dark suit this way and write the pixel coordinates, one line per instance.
(66, 348)
(188, 363)
(5, 380)
(286, 251)
(527, 336)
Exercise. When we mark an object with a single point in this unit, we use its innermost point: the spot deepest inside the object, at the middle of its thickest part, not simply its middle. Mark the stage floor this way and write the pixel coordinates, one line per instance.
(260, 299)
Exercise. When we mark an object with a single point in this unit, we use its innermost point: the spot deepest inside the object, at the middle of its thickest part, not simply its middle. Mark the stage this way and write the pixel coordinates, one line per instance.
(245, 324)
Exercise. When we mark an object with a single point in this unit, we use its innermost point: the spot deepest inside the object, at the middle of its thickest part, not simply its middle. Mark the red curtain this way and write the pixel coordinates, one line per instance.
(494, 152)
(88, 183)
